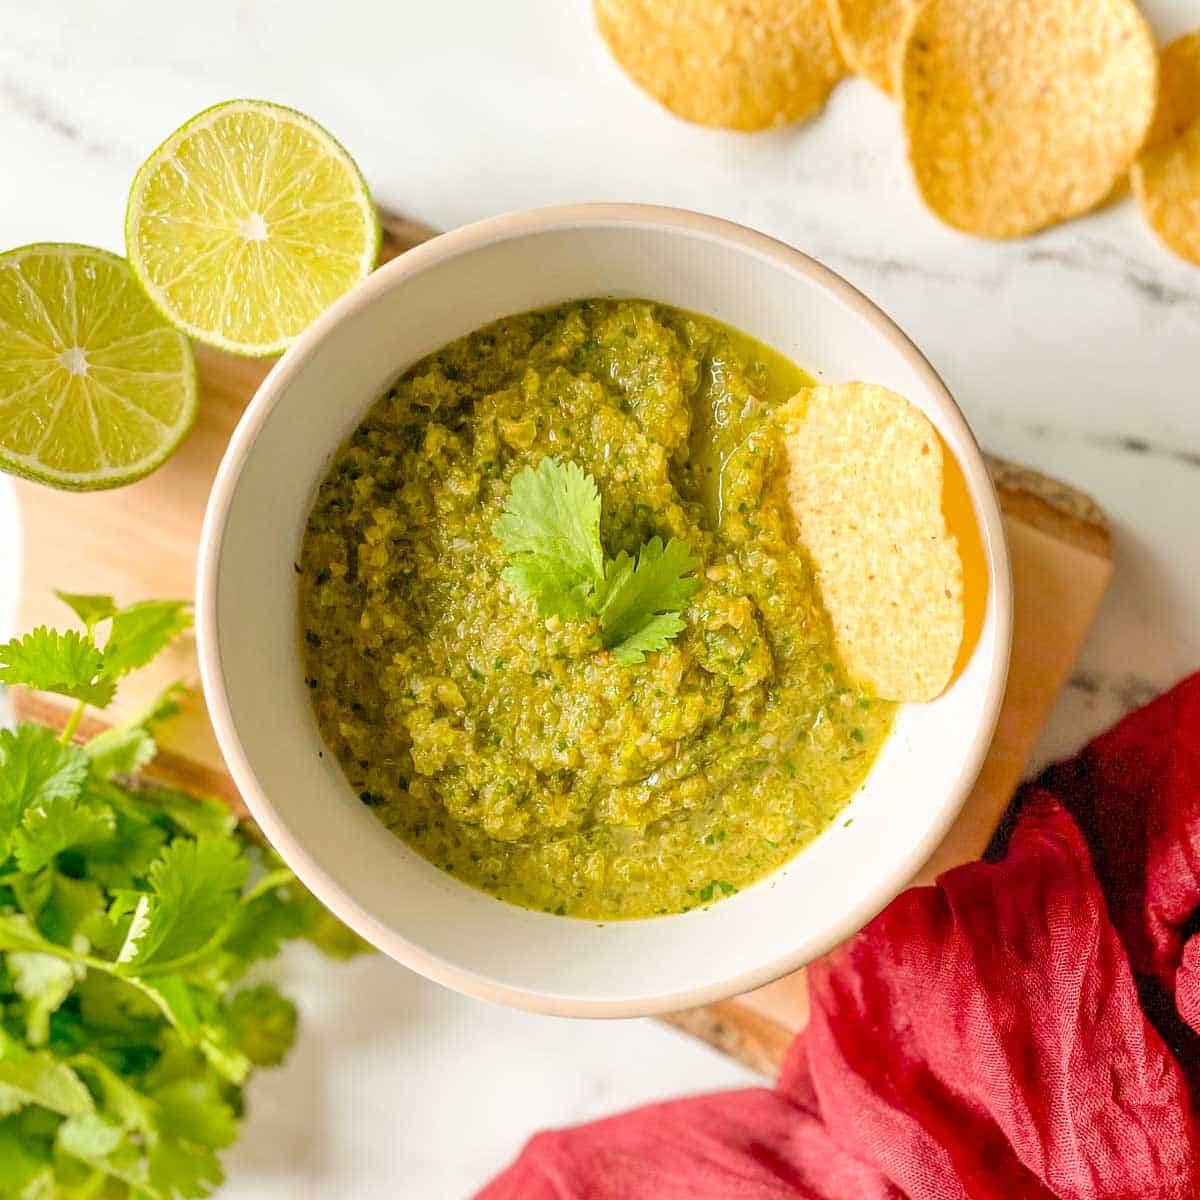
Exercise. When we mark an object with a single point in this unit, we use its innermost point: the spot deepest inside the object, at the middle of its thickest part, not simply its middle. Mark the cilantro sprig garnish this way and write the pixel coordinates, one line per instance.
(550, 531)
(128, 917)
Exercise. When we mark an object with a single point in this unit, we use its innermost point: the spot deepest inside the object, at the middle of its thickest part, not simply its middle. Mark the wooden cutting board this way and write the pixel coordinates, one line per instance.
(140, 542)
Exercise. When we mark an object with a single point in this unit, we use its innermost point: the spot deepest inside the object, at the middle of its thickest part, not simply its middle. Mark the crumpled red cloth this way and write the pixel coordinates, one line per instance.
(1027, 1028)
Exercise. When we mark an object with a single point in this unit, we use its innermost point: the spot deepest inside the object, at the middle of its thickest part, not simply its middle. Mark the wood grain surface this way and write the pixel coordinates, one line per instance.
(140, 542)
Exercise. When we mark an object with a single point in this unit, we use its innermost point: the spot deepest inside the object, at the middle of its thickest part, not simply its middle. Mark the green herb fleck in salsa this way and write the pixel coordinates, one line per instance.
(512, 748)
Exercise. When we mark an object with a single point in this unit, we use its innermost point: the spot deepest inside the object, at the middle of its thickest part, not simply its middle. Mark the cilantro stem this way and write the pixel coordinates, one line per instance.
(72, 723)
(12, 938)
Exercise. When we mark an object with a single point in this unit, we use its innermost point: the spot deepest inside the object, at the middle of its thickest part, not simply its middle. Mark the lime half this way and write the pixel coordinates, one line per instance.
(246, 223)
(96, 389)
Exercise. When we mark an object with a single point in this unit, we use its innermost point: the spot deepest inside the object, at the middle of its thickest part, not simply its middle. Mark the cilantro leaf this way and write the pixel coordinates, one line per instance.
(36, 1077)
(122, 1103)
(180, 1005)
(328, 934)
(193, 1122)
(43, 981)
(181, 1168)
(17, 932)
(24, 1163)
(32, 892)
(67, 664)
(194, 889)
(222, 1053)
(177, 1125)
(263, 925)
(639, 603)
(556, 596)
(139, 632)
(192, 1109)
(199, 816)
(137, 842)
(90, 609)
(74, 909)
(192, 1012)
(263, 1024)
(124, 748)
(550, 530)
(53, 825)
(34, 766)
(89, 1137)
(121, 750)
(655, 633)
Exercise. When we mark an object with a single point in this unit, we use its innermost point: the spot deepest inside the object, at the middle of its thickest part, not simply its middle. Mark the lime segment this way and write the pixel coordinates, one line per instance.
(246, 223)
(96, 389)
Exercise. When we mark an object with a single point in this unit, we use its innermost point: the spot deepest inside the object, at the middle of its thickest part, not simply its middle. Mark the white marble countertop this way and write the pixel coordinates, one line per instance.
(1076, 352)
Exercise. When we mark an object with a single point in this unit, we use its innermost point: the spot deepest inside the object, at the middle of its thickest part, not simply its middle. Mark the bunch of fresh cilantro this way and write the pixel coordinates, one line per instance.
(550, 531)
(128, 915)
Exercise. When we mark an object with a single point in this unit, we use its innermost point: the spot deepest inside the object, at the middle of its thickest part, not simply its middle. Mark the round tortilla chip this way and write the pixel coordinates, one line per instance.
(738, 64)
(1166, 177)
(865, 482)
(1022, 113)
(870, 34)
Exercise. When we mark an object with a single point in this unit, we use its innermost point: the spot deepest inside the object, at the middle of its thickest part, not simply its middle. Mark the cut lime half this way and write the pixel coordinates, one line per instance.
(96, 389)
(246, 223)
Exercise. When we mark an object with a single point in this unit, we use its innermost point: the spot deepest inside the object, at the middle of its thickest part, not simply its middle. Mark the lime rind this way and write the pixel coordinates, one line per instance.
(135, 213)
(107, 360)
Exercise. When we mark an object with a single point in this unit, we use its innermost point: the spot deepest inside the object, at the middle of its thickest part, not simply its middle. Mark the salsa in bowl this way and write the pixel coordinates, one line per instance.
(499, 736)
(461, 748)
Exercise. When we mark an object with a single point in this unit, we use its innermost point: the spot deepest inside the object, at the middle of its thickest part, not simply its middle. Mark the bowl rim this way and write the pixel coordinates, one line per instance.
(270, 392)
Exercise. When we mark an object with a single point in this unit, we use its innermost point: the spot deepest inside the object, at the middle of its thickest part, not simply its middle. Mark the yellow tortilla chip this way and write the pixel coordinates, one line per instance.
(865, 474)
(1021, 113)
(1166, 177)
(870, 35)
(739, 64)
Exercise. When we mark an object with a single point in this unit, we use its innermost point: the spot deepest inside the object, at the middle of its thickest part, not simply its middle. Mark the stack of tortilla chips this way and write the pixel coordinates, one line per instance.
(1018, 113)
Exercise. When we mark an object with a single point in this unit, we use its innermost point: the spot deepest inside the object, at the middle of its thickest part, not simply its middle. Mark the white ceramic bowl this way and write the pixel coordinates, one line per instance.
(249, 654)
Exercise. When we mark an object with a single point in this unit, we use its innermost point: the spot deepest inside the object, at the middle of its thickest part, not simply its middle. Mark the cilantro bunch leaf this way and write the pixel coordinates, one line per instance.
(35, 766)
(124, 748)
(72, 664)
(54, 824)
(67, 664)
(194, 886)
(550, 531)
(128, 916)
(138, 633)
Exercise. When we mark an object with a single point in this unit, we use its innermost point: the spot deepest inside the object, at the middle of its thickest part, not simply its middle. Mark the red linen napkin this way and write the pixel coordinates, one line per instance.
(1027, 1028)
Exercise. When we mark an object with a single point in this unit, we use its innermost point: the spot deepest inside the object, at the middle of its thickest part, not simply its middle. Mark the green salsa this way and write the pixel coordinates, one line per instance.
(500, 744)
